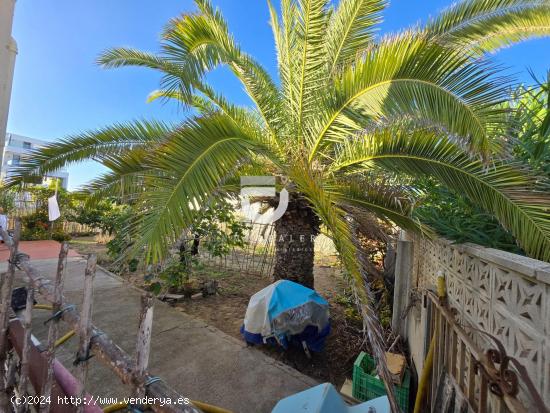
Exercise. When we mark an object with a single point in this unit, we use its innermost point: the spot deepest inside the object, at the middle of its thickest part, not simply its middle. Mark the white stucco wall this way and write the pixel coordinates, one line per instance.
(8, 52)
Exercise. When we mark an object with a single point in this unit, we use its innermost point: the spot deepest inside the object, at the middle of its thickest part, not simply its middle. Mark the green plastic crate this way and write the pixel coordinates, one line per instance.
(366, 387)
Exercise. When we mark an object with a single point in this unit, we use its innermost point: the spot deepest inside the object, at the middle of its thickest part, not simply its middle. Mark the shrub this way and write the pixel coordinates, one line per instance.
(97, 215)
(36, 226)
(454, 217)
(7, 200)
(61, 236)
(33, 234)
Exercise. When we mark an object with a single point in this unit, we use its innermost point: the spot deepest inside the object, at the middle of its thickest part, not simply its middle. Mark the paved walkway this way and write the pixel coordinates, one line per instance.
(37, 250)
(196, 359)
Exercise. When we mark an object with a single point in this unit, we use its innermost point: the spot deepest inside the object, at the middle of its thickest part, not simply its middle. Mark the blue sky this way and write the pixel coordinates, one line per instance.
(58, 90)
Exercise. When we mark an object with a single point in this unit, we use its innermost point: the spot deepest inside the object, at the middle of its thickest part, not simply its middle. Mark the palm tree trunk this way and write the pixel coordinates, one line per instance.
(295, 235)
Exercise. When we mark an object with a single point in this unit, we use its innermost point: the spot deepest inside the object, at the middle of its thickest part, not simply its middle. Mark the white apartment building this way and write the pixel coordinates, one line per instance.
(8, 52)
(16, 148)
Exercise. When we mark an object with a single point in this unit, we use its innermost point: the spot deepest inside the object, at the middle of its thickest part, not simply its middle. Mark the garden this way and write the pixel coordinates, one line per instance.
(363, 137)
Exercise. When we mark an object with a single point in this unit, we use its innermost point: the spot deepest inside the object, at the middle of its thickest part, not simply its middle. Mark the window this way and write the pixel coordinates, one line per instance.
(26, 145)
(15, 160)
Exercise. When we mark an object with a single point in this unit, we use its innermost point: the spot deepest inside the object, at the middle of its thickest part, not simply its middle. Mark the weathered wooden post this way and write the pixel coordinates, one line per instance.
(11, 375)
(25, 352)
(116, 359)
(5, 306)
(54, 323)
(144, 341)
(403, 274)
(85, 329)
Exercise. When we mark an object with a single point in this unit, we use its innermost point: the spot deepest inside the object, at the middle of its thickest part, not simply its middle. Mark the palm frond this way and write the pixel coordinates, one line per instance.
(200, 103)
(351, 28)
(409, 74)
(125, 179)
(96, 145)
(176, 76)
(205, 40)
(187, 172)
(310, 55)
(284, 36)
(508, 193)
(288, 64)
(488, 25)
(389, 203)
(338, 225)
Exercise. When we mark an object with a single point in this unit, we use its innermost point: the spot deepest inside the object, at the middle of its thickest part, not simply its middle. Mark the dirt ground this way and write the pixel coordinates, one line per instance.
(226, 311)
(88, 245)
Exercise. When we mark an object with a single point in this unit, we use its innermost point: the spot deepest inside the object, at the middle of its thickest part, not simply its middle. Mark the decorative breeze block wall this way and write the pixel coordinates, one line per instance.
(504, 294)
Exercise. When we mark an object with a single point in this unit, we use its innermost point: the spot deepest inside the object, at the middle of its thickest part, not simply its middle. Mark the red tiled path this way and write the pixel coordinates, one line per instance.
(38, 250)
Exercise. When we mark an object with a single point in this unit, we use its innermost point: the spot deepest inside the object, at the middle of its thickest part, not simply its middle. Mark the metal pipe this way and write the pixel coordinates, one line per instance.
(428, 365)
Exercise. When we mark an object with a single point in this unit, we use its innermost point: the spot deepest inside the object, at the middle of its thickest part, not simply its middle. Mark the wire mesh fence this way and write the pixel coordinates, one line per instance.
(257, 256)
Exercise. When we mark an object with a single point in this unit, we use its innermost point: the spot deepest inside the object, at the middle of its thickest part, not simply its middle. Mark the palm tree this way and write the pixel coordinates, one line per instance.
(350, 115)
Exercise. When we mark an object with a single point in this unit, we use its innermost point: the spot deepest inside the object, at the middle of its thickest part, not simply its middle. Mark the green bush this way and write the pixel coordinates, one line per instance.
(114, 222)
(61, 236)
(36, 226)
(99, 215)
(7, 200)
(456, 218)
(34, 234)
(530, 125)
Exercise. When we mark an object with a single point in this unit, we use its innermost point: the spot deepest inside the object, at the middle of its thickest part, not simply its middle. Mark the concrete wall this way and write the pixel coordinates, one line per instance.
(8, 51)
(504, 294)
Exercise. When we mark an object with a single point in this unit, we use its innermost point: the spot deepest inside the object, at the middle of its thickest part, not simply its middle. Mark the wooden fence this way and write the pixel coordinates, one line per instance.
(14, 380)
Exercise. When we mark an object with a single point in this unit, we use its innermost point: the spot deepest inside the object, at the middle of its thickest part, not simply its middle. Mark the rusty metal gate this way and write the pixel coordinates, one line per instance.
(489, 380)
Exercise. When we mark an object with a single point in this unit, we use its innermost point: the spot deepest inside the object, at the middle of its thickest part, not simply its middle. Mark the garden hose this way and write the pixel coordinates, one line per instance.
(66, 337)
(205, 407)
(43, 306)
(114, 407)
(428, 364)
(208, 408)
(426, 372)
(63, 339)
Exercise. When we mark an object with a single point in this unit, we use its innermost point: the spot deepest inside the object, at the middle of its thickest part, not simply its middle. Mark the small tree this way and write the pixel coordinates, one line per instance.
(216, 230)
(7, 200)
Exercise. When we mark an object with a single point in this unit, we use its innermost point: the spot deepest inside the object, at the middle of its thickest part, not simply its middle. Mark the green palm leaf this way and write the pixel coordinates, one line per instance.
(98, 145)
(488, 25)
(311, 26)
(351, 29)
(394, 204)
(410, 75)
(205, 40)
(205, 152)
(125, 179)
(508, 193)
(338, 225)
